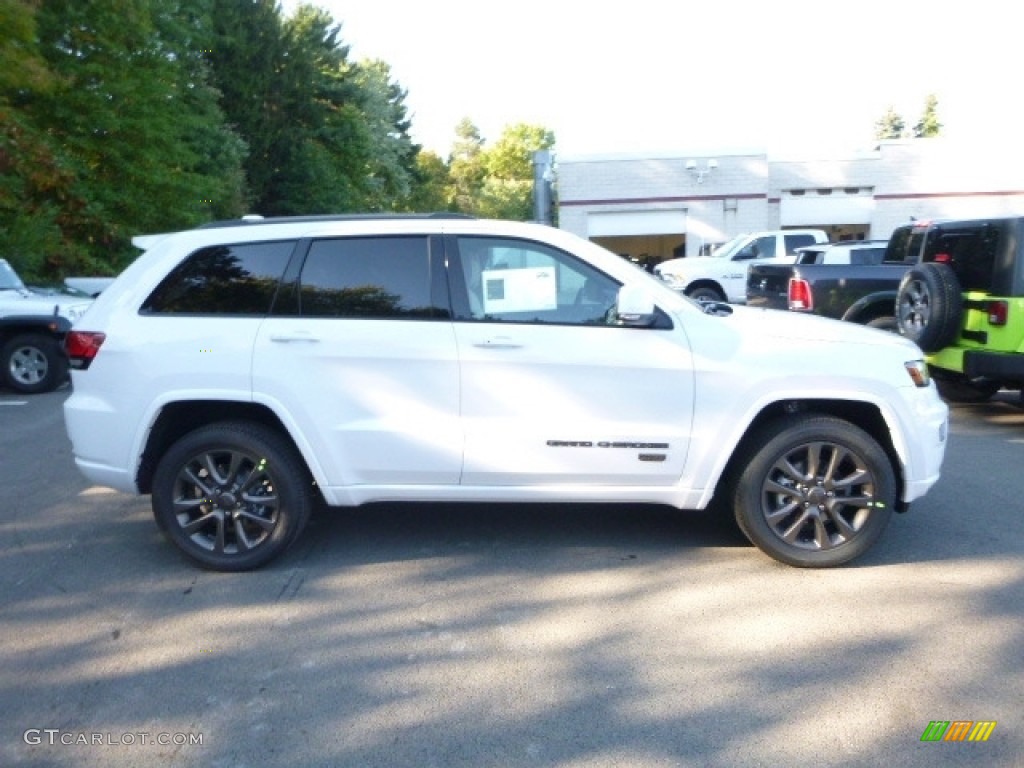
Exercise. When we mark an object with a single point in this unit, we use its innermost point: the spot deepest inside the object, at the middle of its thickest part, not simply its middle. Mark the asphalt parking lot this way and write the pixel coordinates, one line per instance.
(431, 635)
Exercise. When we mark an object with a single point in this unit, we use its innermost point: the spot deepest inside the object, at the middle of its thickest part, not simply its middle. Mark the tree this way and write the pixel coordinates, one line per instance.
(129, 120)
(928, 126)
(391, 168)
(32, 178)
(507, 191)
(890, 126)
(431, 187)
(465, 167)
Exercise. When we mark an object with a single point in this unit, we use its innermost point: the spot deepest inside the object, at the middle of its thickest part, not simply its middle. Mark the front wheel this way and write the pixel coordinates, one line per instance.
(232, 496)
(814, 491)
(705, 293)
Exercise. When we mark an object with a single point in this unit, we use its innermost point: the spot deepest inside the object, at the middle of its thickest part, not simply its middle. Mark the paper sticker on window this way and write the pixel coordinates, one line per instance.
(519, 290)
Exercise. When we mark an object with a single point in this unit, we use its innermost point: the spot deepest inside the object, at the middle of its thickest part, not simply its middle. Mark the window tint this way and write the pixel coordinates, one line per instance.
(971, 252)
(378, 277)
(797, 241)
(223, 280)
(521, 281)
(762, 248)
(867, 256)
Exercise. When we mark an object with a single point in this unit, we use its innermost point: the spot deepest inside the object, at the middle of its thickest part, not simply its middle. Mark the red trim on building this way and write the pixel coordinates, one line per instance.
(920, 195)
(688, 198)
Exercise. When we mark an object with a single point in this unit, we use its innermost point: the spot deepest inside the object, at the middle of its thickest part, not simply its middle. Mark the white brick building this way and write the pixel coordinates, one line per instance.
(661, 206)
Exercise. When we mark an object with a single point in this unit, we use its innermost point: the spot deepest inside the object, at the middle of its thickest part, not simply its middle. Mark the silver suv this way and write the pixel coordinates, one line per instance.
(244, 373)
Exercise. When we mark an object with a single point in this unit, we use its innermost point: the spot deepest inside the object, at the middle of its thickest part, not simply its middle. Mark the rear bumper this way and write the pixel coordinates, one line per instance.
(994, 365)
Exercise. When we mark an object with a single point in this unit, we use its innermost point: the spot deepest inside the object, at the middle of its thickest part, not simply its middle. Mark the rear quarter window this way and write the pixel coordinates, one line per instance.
(236, 279)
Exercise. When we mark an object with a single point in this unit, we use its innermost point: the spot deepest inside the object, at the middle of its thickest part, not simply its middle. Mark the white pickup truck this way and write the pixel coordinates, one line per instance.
(722, 276)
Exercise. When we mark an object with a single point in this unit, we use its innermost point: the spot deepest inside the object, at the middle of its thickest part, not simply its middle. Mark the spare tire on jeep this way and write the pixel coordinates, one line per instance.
(928, 306)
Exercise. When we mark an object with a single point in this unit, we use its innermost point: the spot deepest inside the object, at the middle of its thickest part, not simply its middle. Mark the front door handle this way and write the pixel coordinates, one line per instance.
(498, 342)
(294, 336)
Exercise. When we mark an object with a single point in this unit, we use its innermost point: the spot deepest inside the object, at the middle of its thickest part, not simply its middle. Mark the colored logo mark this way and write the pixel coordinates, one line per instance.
(958, 730)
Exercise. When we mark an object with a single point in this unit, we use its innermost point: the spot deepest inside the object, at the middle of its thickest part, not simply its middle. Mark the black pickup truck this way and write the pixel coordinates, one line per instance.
(858, 283)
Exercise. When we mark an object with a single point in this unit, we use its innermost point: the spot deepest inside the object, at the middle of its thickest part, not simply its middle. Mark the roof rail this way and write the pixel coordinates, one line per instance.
(256, 219)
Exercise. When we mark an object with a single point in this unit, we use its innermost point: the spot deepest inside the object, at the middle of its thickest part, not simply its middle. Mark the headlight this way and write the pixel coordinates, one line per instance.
(918, 372)
(674, 281)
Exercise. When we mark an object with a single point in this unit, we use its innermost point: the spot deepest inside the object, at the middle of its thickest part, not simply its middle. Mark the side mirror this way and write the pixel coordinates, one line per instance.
(634, 306)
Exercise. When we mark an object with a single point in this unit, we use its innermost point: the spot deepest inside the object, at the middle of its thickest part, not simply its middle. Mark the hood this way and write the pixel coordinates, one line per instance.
(15, 302)
(799, 327)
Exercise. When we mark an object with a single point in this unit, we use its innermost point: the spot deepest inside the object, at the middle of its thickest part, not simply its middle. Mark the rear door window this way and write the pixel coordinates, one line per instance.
(368, 277)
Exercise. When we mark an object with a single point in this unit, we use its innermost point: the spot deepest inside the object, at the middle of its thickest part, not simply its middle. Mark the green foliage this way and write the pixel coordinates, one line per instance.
(120, 117)
(890, 125)
(929, 125)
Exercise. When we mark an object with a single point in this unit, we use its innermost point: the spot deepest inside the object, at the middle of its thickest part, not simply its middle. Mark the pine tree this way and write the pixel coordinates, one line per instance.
(929, 125)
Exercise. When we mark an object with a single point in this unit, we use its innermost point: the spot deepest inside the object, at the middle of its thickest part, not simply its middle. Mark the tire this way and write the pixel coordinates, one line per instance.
(929, 309)
(33, 363)
(957, 388)
(886, 323)
(232, 495)
(705, 293)
(814, 491)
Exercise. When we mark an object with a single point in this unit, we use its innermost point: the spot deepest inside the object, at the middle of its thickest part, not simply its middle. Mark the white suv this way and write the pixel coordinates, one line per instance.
(245, 373)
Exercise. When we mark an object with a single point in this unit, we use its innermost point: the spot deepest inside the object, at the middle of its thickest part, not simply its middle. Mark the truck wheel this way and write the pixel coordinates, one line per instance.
(705, 293)
(33, 363)
(928, 306)
(814, 492)
(957, 388)
(232, 496)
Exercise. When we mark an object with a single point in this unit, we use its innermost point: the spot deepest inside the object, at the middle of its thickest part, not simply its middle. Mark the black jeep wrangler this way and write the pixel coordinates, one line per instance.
(963, 303)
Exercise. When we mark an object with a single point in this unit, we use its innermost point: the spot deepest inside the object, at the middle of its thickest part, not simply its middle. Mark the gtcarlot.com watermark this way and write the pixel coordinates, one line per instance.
(58, 737)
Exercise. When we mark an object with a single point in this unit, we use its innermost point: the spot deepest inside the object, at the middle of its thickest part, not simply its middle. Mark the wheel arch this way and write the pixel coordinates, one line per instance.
(870, 307)
(178, 418)
(866, 415)
(704, 282)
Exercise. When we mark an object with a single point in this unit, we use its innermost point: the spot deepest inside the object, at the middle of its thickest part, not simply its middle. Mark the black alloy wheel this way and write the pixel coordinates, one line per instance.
(814, 491)
(232, 495)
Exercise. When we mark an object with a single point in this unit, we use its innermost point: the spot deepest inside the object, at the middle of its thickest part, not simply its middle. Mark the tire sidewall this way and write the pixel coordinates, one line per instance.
(289, 476)
(706, 294)
(942, 290)
(48, 348)
(779, 439)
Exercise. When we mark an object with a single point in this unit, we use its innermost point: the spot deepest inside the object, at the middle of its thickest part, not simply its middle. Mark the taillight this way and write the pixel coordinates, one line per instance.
(998, 312)
(800, 295)
(82, 347)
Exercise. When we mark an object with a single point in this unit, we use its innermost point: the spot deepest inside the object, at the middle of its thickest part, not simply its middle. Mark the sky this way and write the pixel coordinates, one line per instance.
(800, 78)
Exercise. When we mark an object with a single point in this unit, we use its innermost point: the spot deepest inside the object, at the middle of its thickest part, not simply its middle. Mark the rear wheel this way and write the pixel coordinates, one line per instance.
(814, 491)
(232, 495)
(928, 306)
(33, 363)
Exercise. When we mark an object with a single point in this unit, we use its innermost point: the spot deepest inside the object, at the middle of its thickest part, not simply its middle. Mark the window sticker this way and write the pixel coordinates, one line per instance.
(520, 290)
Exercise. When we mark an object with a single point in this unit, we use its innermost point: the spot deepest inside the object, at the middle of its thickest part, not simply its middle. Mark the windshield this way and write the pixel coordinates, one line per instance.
(9, 280)
(726, 250)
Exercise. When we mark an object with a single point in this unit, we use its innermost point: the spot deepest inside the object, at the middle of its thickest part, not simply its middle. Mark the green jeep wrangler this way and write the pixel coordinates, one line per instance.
(963, 304)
